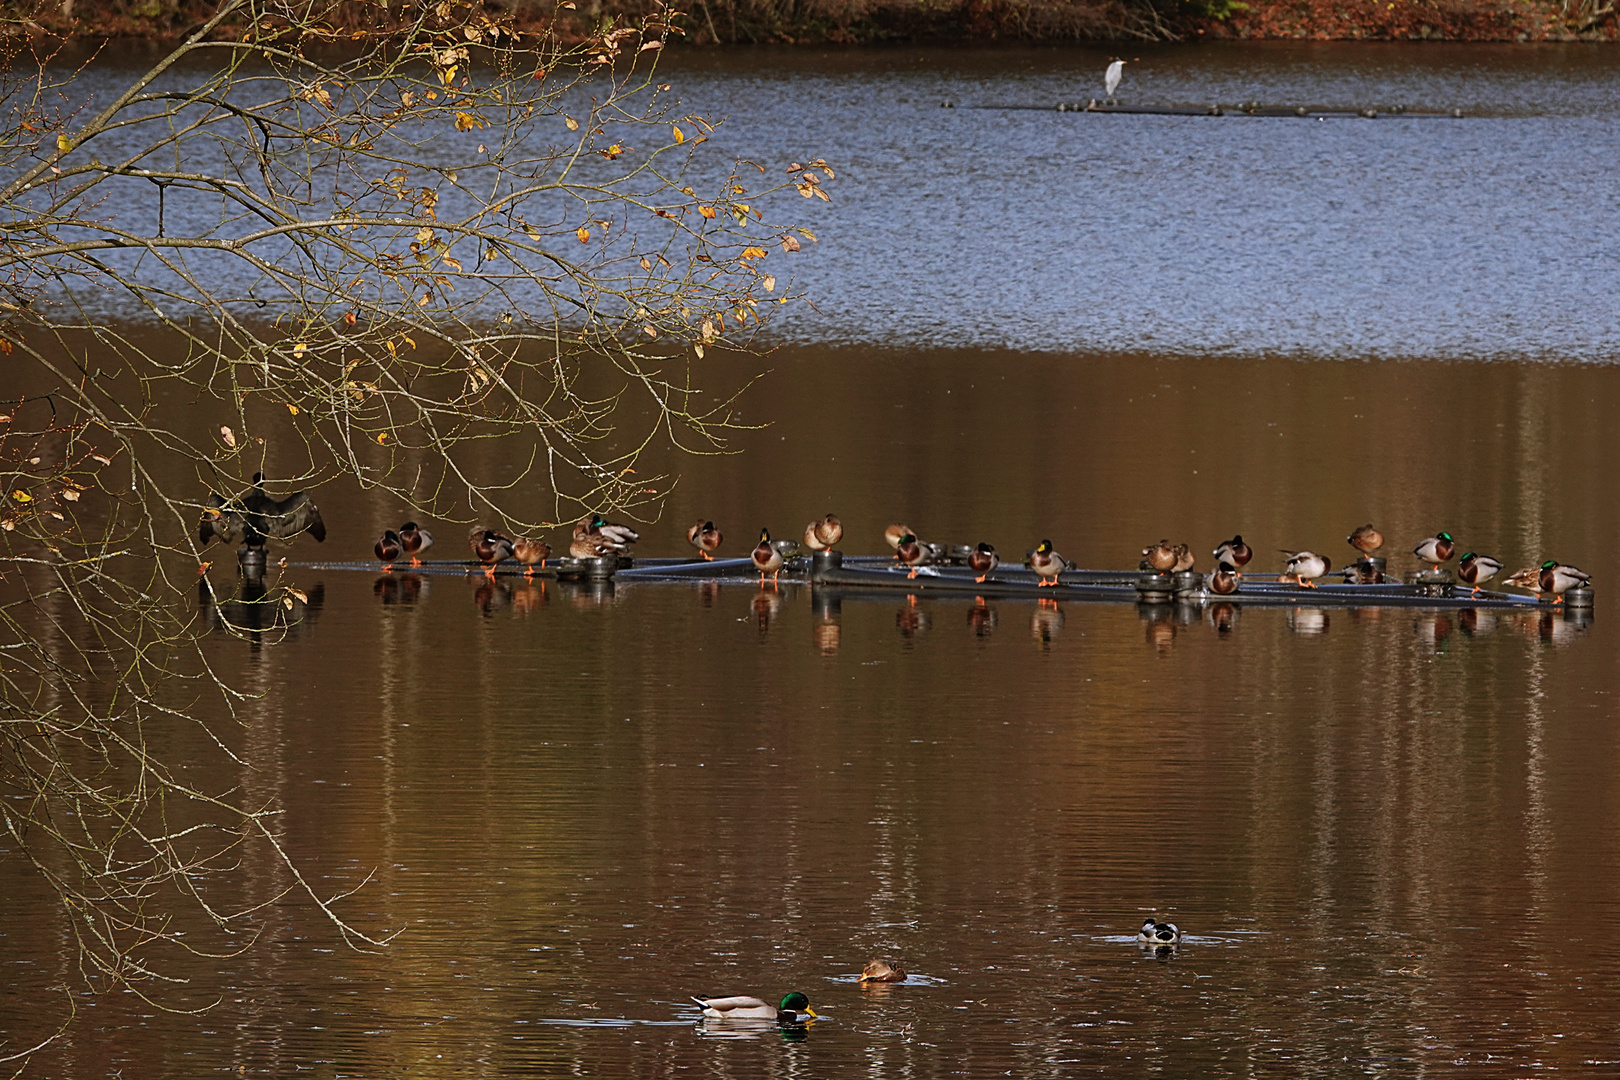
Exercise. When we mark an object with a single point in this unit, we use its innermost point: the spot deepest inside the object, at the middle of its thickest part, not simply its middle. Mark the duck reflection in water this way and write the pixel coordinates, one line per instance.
(1308, 621)
(982, 618)
(1475, 622)
(530, 596)
(1433, 627)
(1045, 622)
(1159, 629)
(826, 629)
(708, 593)
(1222, 617)
(1560, 628)
(492, 594)
(584, 595)
(391, 588)
(912, 621)
(254, 611)
(767, 606)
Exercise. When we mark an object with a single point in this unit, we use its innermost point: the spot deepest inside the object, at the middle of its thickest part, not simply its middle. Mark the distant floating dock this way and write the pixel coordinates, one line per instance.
(863, 573)
(1246, 108)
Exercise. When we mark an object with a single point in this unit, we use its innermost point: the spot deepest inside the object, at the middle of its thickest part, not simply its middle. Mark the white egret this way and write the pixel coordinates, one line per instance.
(1116, 69)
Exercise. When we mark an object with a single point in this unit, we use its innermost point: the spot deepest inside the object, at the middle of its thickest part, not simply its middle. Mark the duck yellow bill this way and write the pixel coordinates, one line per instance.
(808, 1011)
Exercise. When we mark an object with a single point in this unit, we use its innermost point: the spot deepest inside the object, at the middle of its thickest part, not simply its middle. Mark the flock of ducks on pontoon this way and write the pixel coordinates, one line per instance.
(252, 517)
(795, 1006)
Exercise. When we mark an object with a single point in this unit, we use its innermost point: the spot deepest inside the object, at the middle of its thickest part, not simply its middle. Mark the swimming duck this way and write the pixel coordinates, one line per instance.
(1184, 559)
(1224, 580)
(1556, 578)
(1159, 933)
(388, 548)
(882, 971)
(893, 534)
(1304, 565)
(1477, 569)
(705, 537)
(744, 1007)
(912, 553)
(413, 541)
(766, 558)
(1365, 539)
(529, 553)
(1234, 552)
(1436, 549)
(1161, 556)
(1047, 564)
(489, 547)
(283, 519)
(982, 560)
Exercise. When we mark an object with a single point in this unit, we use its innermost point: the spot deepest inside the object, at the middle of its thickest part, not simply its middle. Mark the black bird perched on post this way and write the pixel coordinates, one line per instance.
(253, 518)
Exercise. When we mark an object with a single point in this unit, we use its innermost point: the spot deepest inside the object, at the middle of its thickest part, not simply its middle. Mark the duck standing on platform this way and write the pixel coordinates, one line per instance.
(912, 552)
(1235, 553)
(767, 560)
(1304, 565)
(1224, 580)
(530, 553)
(413, 541)
(982, 560)
(597, 527)
(1528, 578)
(388, 548)
(894, 532)
(1047, 563)
(1436, 550)
(1556, 578)
(1184, 559)
(1477, 569)
(489, 547)
(706, 538)
(1161, 557)
(1366, 540)
(822, 535)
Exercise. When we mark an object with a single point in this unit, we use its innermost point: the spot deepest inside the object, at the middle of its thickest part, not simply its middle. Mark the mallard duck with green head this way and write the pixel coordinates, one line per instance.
(1436, 549)
(792, 1008)
(1234, 552)
(982, 560)
(489, 547)
(1477, 569)
(893, 533)
(1556, 578)
(1223, 581)
(912, 552)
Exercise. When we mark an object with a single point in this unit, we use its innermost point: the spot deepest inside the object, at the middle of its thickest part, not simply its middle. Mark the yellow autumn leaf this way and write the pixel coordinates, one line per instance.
(584, 234)
(382, 437)
(573, 125)
(22, 496)
(650, 330)
(300, 349)
(70, 495)
(680, 136)
(297, 594)
(706, 211)
(63, 144)
(645, 263)
(292, 408)
(770, 283)
(228, 435)
(452, 261)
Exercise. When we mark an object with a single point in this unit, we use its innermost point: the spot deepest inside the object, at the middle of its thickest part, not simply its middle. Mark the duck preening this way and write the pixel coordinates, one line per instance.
(1436, 549)
(1477, 569)
(706, 538)
(767, 559)
(1235, 553)
(1160, 557)
(745, 1007)
(823, 533)
(1305, 565)
(599, 528)
(1159, 933)
(893, 534)
(912, 552)
(1184, 559)
(882, 971)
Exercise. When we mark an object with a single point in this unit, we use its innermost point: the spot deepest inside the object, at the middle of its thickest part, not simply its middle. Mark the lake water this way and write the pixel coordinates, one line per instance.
(1390, 835)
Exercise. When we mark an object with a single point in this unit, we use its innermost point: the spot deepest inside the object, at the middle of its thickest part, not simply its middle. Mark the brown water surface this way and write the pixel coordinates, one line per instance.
(1390, 835)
